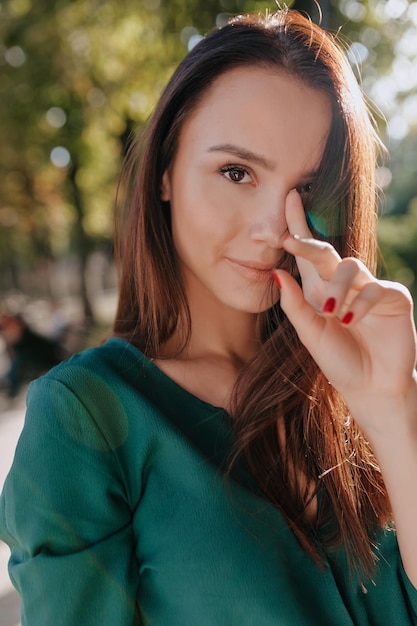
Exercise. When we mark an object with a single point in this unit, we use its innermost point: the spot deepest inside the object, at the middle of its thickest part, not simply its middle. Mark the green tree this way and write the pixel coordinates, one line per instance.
(76, 74)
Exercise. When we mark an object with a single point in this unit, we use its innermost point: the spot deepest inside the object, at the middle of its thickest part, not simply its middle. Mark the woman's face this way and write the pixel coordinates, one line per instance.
(256, 135)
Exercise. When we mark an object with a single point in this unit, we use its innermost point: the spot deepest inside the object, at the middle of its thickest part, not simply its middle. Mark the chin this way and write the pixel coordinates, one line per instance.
(253, 305)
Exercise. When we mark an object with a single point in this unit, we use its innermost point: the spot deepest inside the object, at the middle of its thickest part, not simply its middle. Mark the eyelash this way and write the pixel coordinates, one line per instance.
(227, 169)
(303, 189)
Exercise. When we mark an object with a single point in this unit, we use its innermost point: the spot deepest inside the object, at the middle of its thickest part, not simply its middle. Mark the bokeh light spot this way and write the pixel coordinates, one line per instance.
(60, 157)
(194, 40)
(15, 56)
(56, 117)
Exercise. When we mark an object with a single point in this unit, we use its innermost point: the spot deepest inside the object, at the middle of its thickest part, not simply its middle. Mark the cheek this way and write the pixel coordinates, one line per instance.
(190, 231)
(205, 217)
(199, 234)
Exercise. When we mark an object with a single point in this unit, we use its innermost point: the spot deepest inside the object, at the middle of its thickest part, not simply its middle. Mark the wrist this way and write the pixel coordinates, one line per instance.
(392, 416)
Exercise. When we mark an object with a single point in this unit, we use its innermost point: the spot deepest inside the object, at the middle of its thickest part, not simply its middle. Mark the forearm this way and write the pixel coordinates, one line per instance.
(394, 442)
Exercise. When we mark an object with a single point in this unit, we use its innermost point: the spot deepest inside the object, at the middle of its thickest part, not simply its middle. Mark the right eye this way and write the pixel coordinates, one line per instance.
(306, 189)
(236, 174)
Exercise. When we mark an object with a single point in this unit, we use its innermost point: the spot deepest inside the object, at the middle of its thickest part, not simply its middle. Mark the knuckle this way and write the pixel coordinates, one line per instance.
(397, 289)
(351, 260)
(352, 264)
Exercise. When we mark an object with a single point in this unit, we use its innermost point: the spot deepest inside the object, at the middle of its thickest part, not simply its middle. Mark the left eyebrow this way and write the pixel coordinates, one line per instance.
(243, 153)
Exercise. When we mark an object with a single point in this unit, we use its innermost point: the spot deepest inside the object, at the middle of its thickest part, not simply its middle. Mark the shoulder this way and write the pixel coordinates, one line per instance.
(113, 358)
(96, 370)
(91, 395)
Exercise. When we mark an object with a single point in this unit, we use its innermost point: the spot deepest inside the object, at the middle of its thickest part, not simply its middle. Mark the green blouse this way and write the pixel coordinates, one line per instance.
(117, 514)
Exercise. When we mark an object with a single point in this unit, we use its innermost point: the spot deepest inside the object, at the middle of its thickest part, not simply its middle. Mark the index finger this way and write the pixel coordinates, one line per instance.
(295, 215)
(308, 251)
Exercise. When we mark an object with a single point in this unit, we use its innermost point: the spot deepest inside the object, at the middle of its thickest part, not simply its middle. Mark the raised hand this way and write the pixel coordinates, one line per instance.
(358, 329)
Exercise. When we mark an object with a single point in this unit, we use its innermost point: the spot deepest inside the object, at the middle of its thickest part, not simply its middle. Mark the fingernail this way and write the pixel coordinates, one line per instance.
(277, 280)
(317, 243)
(329, 305)
(303, 239)
(347, 318)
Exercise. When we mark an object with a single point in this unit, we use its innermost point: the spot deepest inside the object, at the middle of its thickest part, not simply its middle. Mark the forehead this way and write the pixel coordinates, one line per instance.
(264, 109)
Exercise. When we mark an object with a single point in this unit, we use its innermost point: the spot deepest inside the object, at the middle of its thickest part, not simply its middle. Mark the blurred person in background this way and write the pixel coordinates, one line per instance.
(29, 353)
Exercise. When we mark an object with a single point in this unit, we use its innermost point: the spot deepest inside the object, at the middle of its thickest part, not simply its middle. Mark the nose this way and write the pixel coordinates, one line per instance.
(268, 225)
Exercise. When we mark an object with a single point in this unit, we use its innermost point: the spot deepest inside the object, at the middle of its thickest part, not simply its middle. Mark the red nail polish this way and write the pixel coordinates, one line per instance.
(329, 305)
(347, 318)
(277, 280)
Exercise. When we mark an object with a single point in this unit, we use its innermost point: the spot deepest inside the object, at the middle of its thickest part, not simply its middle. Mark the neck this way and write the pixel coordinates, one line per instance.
(218, 331)
(222, 340)
(231, 335)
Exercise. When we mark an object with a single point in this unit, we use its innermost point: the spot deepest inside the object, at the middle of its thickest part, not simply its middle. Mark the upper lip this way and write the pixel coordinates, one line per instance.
(255, 265)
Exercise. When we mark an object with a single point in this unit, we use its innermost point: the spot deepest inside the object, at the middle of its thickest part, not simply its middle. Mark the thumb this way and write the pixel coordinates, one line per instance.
(306, 321)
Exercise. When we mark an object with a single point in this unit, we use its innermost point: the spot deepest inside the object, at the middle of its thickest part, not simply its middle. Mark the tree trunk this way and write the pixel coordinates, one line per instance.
(81, 244)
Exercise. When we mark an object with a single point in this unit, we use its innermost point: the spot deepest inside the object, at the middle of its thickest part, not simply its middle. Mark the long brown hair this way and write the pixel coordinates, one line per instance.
(316, 439)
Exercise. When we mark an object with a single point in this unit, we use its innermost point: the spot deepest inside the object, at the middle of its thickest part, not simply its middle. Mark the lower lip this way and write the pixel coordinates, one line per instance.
(252, 273)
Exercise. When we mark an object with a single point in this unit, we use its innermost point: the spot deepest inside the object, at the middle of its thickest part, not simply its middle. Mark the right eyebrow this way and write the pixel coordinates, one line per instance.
(243, 153)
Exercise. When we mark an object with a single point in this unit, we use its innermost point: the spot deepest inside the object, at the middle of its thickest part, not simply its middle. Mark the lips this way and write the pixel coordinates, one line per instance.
(254, 270)
(254, 265)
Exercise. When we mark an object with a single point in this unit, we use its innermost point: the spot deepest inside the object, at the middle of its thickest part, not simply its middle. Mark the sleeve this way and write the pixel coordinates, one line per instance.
(65, 514)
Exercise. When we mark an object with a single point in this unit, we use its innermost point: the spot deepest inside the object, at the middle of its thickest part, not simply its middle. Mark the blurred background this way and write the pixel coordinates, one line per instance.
(76, 78)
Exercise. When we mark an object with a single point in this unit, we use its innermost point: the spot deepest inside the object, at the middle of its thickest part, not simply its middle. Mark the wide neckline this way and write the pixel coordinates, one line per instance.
(156, 372)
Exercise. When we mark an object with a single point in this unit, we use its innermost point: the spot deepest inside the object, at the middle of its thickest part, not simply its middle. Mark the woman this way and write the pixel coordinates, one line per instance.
(238, 452)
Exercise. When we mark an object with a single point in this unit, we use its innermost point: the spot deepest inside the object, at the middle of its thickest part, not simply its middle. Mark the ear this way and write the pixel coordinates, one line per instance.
(166, 187)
